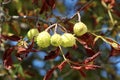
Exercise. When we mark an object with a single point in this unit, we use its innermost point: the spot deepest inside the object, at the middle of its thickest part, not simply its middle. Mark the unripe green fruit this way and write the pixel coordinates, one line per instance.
(56, 40)
(43, 39)
(32, 33)
(79, 29)
(68, 40)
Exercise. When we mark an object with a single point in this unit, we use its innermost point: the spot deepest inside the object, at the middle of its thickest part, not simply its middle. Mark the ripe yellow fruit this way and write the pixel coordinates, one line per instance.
(43, 39)
(56, 40)
(32, 33)
(68, 40)
(79, 29)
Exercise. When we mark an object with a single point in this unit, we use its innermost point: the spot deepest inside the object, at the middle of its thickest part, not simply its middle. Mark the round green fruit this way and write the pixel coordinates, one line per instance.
(68, 40)
(56, 40)
(79, 29)
(43, 39)
(32, 33)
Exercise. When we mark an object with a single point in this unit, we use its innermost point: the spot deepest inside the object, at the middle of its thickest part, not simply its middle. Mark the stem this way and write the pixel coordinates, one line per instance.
(79, 17)
(51, 26)
(111, 18)
(62, 28)
(55, 28)
(62, 53)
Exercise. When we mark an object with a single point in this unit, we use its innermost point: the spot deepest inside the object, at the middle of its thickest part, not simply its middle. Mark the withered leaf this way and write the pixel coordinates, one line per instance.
(114, 52)
(7, 60)
(90, 59)
(62, 65)
(46, 4)
(52, 54)
(49, 73)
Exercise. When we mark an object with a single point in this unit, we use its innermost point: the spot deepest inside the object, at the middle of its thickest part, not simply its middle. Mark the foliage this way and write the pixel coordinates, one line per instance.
(94, 54)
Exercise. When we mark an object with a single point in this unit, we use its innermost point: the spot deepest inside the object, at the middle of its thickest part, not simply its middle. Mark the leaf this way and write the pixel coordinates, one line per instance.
(91, 67)
(49, 73)
(52, 54)
(114, 52)
(13, 37)
(62, 65)
(113, 43)
(7, 60)
(86, 45)
(82, 73)
(88, 39)
(90, 59)
(46, 4)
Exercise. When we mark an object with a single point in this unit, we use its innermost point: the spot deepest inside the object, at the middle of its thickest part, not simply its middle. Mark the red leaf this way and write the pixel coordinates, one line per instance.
(46, 4)
(62, 65)
(7, 60)
(91, 67)
(68, 55)
(87, 39)
(82, 73)
(49, 73)
(114, 52)
(52, 54)
(90, 59)
(13, 37)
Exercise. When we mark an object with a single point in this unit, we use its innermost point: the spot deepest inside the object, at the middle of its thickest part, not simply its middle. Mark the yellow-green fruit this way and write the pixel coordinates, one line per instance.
(32, 33)
(68, 40)
(56, 40)
(79, 29)
(43, 39)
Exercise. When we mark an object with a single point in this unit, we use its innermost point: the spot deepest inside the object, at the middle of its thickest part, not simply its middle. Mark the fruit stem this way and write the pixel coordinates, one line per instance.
(62, 28)
(79, 17)
(64, 55)
(51, 26)
(56, 25)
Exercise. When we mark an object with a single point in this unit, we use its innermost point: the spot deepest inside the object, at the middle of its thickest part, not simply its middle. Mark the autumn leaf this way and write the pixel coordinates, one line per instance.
(46, 4)
(7, 59)
(49, 73)
(90, 59)
(52, 54)
(62, 65)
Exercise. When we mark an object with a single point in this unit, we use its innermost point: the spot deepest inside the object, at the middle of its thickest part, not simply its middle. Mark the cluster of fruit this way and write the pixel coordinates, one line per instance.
(44, 39)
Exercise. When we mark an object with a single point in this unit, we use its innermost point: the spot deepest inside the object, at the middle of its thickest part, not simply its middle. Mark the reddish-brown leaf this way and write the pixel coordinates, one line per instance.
(91, 67)
(13, 37)
(46, 4)
(88, 39)
(68, 55)
(87, 45)
(82, 73)
(7, 60)
(49, 73)
(89, 51)
(114, 52)
(62, 65)
(52, 54)
(21, 49)
(90, 59)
